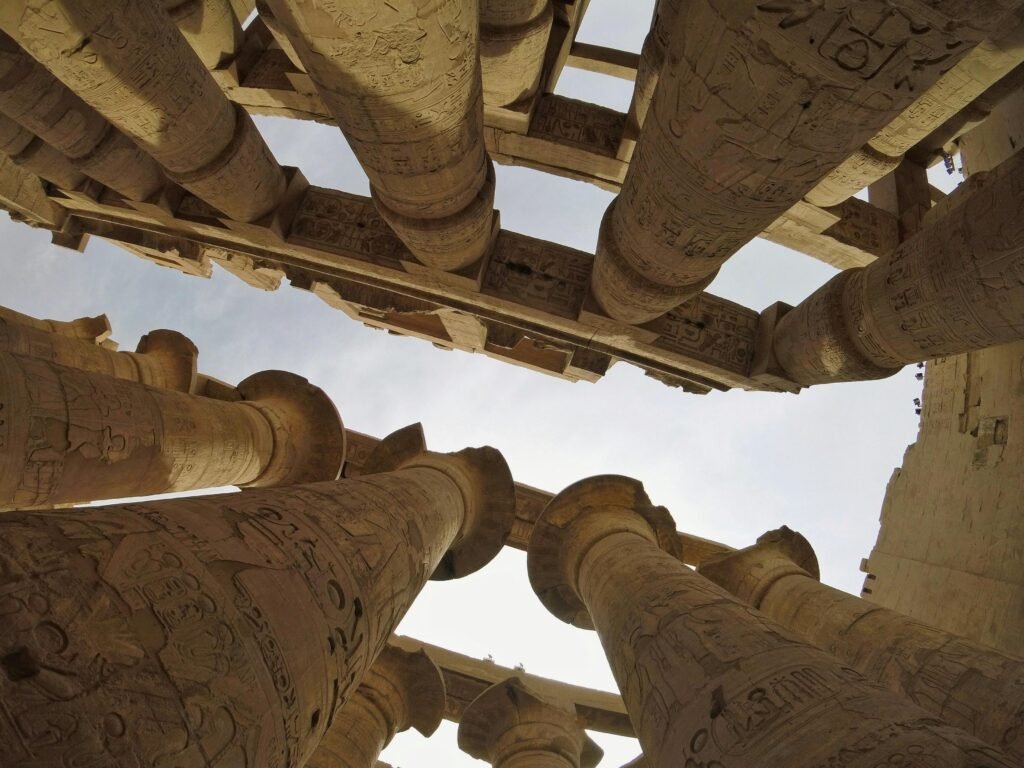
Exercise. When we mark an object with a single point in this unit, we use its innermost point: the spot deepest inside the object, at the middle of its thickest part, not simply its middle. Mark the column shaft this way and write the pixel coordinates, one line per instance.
(74, 436)
(209, 26)
(755, 104)
(129, 62)
(403, 82)
(36, 156)
(954, 287)
(43, 105)
(165, 359)
(355, 739)
(707, 680)
(968, 685)
(513, 40)
(219, 630)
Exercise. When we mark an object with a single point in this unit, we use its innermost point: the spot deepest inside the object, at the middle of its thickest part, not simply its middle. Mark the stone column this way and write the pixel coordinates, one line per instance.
(755, 104)
(163, 359)
(224, 630)
(968, 685)
(128, 61)
(652, 59)
(401, 690)
(36, 156)
(70, 436)
(279, 34)
(210, 27)
(513, 39)
(40, 103)
(403, 82)
(707, 680)
(954, 287)
(510, 726)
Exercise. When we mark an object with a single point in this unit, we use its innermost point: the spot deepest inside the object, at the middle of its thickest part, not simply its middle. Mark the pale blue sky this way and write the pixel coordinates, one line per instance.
(729, 466)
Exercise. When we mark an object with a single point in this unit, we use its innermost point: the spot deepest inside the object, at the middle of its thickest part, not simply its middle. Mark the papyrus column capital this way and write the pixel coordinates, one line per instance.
(510, 726)
(576, 519)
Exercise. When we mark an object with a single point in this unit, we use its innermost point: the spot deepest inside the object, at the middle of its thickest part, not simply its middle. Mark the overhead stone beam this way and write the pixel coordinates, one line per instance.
(530, 502)
(525, 303)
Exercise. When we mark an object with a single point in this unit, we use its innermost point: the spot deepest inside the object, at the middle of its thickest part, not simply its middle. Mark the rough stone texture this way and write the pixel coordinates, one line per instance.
(954, 287)
(954, 91)
(36, 156)
(34, 98)
(706, 679)
(401, 690)
(163, 359)
(221, 630)
(75, 436)
(209, 26)
(513, 38)
(970, 686)
(128, 61)
(377, 69)
(510, 726)
(755, 104)
(95, 330)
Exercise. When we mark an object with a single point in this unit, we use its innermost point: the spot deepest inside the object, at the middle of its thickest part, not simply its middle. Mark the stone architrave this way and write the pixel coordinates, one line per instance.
(956, 286)
(129, 62)
(225, 630)
(706, 679)
(163, 359)
(510, 726)
(756, 103)
(403, 82)
(36, 156)
(68, 435)
(42, 104)
(210, 27)
(279, 34)
(513, 40)
(968, 685)
(401, 690)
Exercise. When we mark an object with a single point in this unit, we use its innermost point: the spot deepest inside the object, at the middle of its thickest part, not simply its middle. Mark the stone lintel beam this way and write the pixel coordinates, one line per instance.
(465, 678)
(604, 61)
(226, 629)
(737, 138)
(23, 196)
(530, 503)
(511, 726)
(163, 359)
(968, 685)
(421, 145)
(705, 678)
(952, 93)
(401, 690)
(568, 18)
(74, 436)
(158, 93)
(953, 287)
(535, 288)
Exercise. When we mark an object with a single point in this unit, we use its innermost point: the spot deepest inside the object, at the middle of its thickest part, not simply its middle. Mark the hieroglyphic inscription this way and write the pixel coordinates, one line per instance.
(711, 329)
(218, 631)
(577, 124)
(347, 224)
(538, 274)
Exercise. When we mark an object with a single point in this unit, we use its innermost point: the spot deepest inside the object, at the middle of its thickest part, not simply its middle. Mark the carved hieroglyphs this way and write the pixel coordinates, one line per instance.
(225, 630)
(707, 679)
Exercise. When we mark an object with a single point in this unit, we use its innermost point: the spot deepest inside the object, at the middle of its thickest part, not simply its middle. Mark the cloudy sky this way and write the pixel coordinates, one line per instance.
(729, 466)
